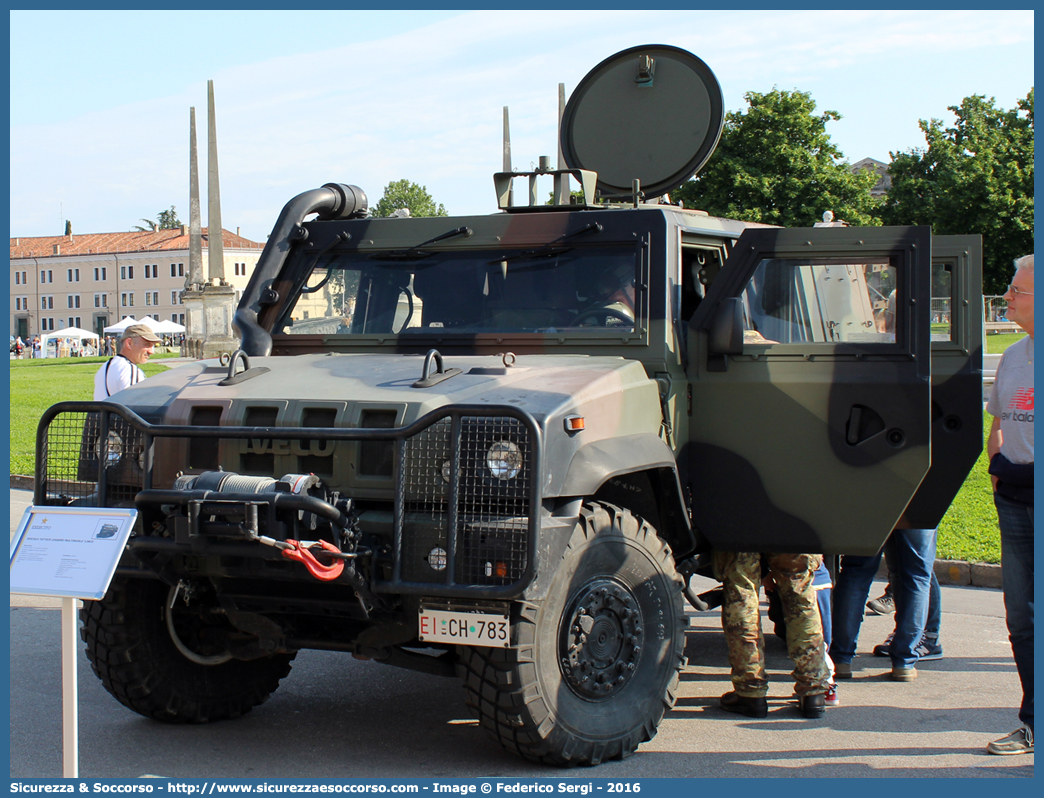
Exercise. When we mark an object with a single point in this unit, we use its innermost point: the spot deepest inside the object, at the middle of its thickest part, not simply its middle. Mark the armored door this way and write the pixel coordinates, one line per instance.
(957, 432)
(810, 376)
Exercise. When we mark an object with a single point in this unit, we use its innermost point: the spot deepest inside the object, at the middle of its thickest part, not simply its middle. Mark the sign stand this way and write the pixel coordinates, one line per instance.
(70, 693)
(71, 553)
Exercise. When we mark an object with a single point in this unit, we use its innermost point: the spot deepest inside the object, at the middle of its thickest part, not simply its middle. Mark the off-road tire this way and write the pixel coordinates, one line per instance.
(533, 698)
(131, 651)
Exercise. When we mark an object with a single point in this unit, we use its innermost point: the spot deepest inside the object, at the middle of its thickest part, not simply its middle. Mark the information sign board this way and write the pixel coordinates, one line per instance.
(70, 552)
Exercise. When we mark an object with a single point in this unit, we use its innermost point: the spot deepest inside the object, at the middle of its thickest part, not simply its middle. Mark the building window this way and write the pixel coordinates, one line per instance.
(18, 303)
(103, 274)
(127, 300)
(95, 274)
(18, 278)
(181, 270)
(148, 298)
(173, 297)
(43, 277)
(155, 297)
(181, 318)
(77, 323)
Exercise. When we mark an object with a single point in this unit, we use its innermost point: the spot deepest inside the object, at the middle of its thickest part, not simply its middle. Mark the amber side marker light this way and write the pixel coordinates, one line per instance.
(574, 423)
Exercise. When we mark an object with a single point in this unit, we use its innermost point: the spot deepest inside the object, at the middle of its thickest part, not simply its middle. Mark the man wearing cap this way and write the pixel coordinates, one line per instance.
(136, 347)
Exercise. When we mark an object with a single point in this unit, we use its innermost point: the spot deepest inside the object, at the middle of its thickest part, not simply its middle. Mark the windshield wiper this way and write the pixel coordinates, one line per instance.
(415, 252)
(551, 249)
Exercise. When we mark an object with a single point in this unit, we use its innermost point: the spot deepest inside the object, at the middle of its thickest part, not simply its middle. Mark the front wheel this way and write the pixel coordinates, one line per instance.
(596, 663)
(167, 660)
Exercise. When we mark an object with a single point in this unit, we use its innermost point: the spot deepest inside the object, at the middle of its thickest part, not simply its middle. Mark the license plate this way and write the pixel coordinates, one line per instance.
(489, 630)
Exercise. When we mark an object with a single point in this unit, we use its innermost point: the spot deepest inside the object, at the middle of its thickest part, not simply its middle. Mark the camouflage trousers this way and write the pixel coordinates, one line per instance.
(740, 573)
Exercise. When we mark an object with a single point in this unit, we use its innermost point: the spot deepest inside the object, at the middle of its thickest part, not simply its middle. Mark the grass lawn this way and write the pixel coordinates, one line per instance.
(969, 530)
(995, 344)
(38, 384)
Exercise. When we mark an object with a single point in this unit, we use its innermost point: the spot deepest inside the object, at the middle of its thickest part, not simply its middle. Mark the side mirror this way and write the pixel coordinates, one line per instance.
(726, 330)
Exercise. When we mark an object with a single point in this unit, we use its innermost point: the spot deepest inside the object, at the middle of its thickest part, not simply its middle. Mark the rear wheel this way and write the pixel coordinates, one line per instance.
(595, 664)
(170, 664)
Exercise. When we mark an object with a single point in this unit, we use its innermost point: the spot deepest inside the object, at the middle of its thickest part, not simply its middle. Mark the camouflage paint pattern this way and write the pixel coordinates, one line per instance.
(740, 573)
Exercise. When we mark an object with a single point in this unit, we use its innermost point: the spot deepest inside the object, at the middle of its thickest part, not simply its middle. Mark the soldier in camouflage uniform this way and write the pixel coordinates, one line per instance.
(740, 573)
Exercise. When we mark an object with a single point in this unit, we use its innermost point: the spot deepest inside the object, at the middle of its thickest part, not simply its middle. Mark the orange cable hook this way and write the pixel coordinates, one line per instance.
(326, 573)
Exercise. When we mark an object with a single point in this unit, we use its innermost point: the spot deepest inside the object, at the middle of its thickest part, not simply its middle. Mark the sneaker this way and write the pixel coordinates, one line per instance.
(904, 674)
(751, 706)
(883, 649)
(830, 698)
(1019, 741)
(883, 605)
(842, 670)
(812, 706)
(928, 650)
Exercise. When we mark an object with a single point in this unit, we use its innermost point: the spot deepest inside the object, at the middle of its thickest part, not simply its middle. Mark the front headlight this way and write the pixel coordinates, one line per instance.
(504, 460)
(112, 451)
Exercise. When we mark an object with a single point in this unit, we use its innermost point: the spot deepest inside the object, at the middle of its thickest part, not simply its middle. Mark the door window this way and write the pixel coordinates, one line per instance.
(821, 301)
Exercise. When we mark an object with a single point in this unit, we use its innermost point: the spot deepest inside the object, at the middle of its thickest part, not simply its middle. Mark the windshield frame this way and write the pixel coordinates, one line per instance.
(515, 260)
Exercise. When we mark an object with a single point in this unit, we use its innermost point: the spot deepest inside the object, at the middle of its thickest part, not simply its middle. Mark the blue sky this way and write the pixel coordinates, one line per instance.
(100, 100)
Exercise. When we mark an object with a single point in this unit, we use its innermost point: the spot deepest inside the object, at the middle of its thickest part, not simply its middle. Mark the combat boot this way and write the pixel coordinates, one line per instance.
(752, 707)
(812, 706)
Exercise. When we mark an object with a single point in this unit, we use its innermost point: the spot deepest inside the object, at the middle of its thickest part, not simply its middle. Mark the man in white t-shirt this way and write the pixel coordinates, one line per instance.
(135, 348)
(1010, 448)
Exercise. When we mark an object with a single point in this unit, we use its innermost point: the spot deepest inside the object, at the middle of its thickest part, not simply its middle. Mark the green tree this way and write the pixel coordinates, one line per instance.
(974, 177)
(165, 220)
(775, 164)
(404, 194)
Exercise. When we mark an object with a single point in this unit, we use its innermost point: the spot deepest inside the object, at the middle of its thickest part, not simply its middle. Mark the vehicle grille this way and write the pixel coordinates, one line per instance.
(488, 517)
(74, 455)
(453, 527)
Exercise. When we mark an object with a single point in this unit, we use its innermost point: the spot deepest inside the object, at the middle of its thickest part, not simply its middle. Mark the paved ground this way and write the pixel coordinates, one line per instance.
(335, 717)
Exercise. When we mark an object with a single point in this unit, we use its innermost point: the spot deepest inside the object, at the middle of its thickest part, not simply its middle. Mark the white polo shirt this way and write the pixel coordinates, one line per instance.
(117, 374)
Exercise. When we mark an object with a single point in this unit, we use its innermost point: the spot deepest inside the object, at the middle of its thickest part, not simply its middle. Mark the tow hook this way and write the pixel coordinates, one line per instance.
(302, 554)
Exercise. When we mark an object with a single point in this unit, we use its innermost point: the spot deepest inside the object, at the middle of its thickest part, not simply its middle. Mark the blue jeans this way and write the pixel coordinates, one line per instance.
(1016, 526)
(915, 558)
(934, 622)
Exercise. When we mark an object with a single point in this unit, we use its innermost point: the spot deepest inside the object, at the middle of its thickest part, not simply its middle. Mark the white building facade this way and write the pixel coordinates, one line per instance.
(94, 280)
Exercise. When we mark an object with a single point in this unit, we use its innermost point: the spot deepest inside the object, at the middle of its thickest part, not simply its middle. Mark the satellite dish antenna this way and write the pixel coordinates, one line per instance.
(652, 113)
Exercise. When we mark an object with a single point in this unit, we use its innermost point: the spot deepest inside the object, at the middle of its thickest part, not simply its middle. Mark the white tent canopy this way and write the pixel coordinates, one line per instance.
(68, 332)
(122, 325)
(168, 327)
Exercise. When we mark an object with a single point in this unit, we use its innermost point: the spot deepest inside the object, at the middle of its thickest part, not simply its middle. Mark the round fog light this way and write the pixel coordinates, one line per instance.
(437, 559)
(504, 460)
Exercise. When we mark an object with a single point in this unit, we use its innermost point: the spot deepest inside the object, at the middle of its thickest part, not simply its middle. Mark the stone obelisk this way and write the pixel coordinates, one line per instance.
(192, 295)
(209, 299)
(215, 244)
(194, 278)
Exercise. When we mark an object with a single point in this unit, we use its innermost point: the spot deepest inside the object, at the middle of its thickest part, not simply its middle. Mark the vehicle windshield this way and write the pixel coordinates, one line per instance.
(544, 289)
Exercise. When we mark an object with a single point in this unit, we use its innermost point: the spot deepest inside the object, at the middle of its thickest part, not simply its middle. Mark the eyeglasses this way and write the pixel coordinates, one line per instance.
(1018, 291)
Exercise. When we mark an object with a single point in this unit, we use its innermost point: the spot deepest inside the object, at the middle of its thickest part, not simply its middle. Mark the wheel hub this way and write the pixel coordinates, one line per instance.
(601, 639)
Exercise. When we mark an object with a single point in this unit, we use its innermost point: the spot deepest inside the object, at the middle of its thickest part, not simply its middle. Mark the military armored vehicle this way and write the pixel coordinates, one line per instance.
(493, 446)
